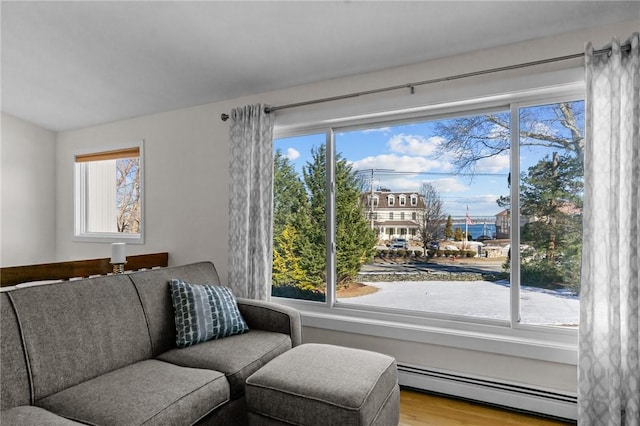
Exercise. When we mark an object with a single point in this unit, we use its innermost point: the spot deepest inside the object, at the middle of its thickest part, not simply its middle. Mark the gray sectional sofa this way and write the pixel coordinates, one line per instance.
(102, 351)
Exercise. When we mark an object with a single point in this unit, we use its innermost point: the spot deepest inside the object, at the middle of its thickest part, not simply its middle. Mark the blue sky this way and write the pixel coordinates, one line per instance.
(408, 152)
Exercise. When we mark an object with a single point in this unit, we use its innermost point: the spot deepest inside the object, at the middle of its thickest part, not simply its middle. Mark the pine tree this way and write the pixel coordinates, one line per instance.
(448, 228)
(292, 247)
(355, 240)
(289, 199)
(551, 194)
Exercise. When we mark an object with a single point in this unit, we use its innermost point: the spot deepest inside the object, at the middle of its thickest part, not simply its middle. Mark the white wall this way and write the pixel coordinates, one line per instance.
(534, 373)
(186, 185)
(186, 178)
(27, 216)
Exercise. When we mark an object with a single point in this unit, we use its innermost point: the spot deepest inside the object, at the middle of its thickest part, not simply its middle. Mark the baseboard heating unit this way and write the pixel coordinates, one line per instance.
(521, 398)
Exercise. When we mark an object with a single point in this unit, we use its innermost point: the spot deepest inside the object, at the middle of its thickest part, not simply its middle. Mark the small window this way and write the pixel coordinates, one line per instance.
(390, 215)
(414, 200)
(401, 215)
(403, 200)
(108, 195)
(391, 200)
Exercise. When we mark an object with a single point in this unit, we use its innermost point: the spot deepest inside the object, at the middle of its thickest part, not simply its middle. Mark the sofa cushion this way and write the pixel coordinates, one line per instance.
(153, 288)
(204, 312)
(13, 364)
(29, 415)
(75, 331)
(236, 356)
(149, 392)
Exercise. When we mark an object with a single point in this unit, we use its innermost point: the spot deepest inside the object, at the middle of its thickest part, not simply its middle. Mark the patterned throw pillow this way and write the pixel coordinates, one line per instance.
(204, 312)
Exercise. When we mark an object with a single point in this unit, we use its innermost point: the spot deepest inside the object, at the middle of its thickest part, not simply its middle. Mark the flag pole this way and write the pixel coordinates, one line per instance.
(466, 230)
(467, 219)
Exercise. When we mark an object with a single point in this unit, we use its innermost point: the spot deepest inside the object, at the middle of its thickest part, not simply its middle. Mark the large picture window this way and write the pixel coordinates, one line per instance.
(492, 232)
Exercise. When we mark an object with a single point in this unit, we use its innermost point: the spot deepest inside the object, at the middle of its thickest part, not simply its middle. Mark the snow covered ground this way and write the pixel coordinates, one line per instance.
(473, 298)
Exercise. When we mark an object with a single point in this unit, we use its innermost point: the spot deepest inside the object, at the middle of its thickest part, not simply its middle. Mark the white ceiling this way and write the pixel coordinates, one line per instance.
(68, 65)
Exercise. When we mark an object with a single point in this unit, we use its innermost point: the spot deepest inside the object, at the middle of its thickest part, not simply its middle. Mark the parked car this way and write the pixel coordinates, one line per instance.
(434, 245)
(399, 243)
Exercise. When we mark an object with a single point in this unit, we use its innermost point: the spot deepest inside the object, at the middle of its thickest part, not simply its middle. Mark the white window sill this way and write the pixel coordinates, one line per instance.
(109, 237)
(540, 343)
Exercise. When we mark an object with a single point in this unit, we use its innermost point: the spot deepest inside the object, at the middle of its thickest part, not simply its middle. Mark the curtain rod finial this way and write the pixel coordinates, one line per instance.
(224, 117)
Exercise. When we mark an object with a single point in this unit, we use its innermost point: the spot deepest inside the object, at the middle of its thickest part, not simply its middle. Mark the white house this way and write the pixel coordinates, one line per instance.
(394, 214)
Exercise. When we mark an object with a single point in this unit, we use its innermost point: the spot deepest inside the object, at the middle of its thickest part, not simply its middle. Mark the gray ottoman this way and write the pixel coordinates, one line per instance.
(314, 384)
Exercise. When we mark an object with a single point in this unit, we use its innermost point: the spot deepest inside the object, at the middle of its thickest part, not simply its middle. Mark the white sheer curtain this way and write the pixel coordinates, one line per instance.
(250, 204)
(609, 368)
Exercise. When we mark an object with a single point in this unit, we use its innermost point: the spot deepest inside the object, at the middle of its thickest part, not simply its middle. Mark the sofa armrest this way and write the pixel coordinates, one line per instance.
(271, 316)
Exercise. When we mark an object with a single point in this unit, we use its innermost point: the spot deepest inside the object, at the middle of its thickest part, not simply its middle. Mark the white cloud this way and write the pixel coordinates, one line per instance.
(486, 199)
(447, 185)
(499, 132)
(494, 164)
(292, 154)
(403, 183)
(414, 144)
(379, 129)
(543, 128)
(397, 163)
(481, 206)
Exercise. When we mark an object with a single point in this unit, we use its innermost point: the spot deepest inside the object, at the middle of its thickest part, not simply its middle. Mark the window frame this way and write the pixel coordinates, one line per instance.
(539, 342)
(80, 233)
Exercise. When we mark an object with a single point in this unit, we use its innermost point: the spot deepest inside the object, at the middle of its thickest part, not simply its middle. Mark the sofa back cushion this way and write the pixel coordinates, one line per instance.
(78, 330)
(155, 294)
(14, 376)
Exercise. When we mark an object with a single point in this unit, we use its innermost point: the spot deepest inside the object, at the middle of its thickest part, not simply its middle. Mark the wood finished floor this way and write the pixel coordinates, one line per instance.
(418, 409)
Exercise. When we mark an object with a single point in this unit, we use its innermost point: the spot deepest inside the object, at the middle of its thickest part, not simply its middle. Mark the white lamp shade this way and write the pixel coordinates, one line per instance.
(118, 253)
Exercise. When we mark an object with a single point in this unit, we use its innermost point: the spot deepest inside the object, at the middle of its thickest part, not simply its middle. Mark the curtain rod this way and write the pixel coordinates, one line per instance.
(411, 86)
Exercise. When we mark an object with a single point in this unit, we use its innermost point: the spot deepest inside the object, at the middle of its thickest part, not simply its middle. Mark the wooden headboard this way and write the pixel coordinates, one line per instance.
(77, 269)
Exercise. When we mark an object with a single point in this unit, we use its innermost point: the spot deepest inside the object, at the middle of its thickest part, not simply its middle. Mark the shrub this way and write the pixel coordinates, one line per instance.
(417, 253)
(539, 273)
(295, 292)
